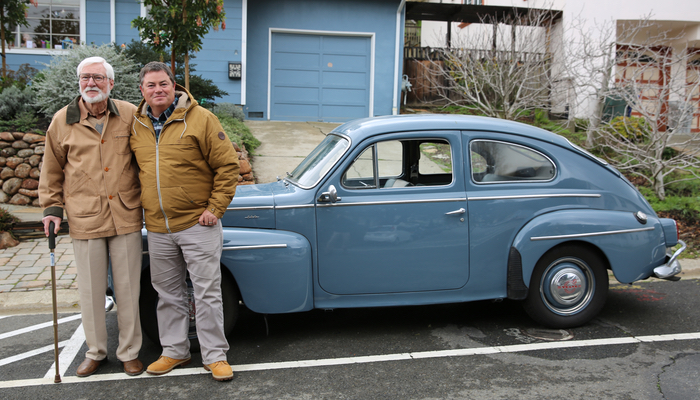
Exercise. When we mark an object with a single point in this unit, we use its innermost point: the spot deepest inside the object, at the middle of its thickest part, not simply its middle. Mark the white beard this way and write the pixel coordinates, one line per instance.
(99, 98)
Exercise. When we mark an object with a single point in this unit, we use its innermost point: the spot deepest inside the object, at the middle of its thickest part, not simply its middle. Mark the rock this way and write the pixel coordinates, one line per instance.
(245, 167)
(36, 203)
(7, 173)
(246, 183)
(6, 240)
(29, 193)
(20, 144)
(235, 146)
(7, 136)
(25, 153)
(31, 184)
(20, 200)
(35, 173)
(11, 186)
(33, 138)
(4, 198)
(248, 177)
(5, 144)
(18, 135)
(22, 170)
(3, 160)
(34, 160)
(39, 150)
(8, 152)
(13, 162)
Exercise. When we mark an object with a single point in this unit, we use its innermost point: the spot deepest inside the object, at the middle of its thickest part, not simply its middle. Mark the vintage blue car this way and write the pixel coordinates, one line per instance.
(430, 209)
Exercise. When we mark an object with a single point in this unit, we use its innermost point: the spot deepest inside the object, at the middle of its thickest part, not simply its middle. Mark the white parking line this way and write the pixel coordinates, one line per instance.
(38, 326)
(371, 359)
(67, 355)
(32, 353)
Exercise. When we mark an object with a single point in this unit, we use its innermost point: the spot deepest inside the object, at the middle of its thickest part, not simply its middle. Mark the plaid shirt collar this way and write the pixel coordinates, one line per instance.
(160, 121)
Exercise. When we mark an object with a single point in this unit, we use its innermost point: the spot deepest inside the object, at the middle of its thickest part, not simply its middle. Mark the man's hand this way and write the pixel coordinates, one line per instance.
(47, 220)
(207, 218)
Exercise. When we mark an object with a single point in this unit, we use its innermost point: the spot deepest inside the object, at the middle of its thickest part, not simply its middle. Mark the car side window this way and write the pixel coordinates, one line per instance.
(499, 162)
(401, 163)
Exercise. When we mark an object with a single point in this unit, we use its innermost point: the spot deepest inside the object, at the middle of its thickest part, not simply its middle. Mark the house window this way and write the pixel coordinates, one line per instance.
(53, 24)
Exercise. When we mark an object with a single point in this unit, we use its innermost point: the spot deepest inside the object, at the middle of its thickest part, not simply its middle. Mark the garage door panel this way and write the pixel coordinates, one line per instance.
(344, 96)
(299, 77)
(298, 60)
(297, 95)
(345, 62)
(345, 44)
(323, 74)
(344, 79)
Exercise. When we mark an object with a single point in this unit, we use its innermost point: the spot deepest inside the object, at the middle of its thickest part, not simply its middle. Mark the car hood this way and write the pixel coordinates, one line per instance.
(253, 206)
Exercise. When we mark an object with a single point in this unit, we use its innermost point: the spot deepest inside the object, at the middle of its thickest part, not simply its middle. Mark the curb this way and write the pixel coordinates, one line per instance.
(39, 302)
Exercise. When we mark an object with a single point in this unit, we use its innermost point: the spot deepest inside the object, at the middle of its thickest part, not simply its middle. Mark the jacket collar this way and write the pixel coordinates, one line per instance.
(184, 103)
(73, 110)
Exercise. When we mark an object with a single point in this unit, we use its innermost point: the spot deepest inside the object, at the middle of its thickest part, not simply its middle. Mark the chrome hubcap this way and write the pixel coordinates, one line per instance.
(567, 286)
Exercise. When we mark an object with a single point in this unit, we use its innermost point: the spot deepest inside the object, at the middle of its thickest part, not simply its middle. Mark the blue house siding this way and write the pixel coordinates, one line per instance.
(220, 47)
(97, 23)
(368, 16)
(126, 11)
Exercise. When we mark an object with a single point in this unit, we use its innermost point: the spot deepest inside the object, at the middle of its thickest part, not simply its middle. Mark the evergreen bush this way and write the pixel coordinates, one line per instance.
(57, 85)
(15, 101)
(228, 109)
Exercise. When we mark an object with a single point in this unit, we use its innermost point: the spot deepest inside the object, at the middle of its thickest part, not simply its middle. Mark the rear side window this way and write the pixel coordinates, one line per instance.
(499, 162)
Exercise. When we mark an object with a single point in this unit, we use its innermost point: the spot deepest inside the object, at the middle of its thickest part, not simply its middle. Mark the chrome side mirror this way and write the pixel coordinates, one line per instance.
(330, 196)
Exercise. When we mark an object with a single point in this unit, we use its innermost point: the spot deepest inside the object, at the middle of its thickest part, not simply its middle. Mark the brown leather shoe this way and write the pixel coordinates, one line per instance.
(88, 367)
(133, 367)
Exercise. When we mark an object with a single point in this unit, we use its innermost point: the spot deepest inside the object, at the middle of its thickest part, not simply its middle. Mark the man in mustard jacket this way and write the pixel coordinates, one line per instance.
(188, 172)
(89, 171)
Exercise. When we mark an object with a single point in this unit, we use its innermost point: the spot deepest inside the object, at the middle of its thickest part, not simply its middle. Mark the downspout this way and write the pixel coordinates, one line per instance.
(112, 21)
(244, 51)
(397, 59)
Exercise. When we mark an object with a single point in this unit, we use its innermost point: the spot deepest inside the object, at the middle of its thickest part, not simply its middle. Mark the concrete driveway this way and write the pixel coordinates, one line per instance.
(284, 145)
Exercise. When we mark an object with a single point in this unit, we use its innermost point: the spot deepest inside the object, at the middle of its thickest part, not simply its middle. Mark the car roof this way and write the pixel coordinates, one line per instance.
(360, 129)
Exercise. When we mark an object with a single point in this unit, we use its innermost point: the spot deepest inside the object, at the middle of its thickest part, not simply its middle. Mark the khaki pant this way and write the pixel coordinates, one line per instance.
(196, 250)
(92, 260)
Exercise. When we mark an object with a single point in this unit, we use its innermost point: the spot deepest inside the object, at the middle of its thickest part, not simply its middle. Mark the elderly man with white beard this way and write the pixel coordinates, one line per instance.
(90, 172)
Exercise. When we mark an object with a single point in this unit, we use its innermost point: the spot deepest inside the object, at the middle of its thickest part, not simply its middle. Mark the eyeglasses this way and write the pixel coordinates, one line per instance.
(95, 77)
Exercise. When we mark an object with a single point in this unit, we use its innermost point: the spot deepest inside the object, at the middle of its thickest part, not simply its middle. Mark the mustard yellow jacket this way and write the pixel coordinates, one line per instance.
(93, 176)
(193, 167)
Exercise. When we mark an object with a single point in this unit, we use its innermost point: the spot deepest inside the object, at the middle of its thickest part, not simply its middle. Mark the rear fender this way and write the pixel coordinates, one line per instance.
(272, 269)
(632, 248)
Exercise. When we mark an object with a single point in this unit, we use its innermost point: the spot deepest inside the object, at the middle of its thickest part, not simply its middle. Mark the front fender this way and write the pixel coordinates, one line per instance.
(272, 269)
(632, 248)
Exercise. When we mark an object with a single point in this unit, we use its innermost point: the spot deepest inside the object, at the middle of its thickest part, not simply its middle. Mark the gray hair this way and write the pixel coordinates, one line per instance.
(97, 60)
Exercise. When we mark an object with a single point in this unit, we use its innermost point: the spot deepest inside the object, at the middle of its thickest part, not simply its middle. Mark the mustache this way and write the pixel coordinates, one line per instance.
(92, 89)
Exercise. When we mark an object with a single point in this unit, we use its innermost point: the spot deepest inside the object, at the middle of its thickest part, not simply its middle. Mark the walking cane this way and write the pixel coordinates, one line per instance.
(52, 246)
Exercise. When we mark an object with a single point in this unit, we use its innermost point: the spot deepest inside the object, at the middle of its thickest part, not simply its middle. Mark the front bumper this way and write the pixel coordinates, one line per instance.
(672, 266)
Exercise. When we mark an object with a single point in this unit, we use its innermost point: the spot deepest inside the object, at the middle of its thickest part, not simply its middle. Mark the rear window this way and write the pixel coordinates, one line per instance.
(499, 162)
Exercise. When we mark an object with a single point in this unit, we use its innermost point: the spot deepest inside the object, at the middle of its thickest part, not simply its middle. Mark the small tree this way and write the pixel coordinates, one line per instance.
(499, 70)
(179, 25)
(57, 85)
(12, 13)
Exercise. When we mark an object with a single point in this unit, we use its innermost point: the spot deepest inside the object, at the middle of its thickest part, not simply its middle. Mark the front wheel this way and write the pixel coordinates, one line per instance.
(148, 304)
(568, 288)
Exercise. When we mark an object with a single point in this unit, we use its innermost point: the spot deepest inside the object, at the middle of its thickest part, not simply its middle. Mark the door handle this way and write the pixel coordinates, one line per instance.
(455, 212)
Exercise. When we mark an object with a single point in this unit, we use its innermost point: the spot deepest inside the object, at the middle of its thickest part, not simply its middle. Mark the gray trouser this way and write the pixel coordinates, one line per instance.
(197, 250)
(92, 260)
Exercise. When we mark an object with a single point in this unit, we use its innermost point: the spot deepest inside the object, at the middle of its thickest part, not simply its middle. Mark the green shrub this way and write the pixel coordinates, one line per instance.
(58, 84)
(228, 109)
(634, 129)
(25, 121)
(14, 101)
(7, 220)
(238, 132)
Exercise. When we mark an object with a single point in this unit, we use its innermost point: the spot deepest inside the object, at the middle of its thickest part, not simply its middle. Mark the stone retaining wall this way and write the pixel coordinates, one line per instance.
(21, 156)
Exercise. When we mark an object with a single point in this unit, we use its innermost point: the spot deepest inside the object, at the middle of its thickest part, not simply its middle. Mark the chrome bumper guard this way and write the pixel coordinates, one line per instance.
(672, 267)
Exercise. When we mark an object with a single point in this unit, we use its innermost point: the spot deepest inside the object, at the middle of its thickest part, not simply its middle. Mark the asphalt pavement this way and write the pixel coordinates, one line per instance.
(25, 272)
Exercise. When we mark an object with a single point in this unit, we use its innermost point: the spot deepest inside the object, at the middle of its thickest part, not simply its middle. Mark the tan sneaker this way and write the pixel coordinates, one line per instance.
(165, 364)
(220, 370)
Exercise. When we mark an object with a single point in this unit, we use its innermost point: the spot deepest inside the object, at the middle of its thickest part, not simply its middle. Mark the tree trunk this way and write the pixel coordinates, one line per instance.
(2, 38)
(172, 61)
(187, 72)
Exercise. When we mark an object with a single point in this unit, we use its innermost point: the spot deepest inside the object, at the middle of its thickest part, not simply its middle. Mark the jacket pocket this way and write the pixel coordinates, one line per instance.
(177, 201)
(131, 198)
(121, 142)
(82, 198)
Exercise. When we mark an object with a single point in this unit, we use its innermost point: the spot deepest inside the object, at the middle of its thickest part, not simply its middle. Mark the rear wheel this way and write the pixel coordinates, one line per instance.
(568, 288)
(148, 304)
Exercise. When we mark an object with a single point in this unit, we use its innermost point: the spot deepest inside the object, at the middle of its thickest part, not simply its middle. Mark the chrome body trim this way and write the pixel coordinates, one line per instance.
(295, 206)
(375, 203)
(256, 247)
(581, 235)
(672, 267)
(535, 196)
(250, 208)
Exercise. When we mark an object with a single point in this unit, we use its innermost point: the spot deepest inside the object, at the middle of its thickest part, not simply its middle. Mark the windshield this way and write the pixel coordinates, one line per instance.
(319, 162)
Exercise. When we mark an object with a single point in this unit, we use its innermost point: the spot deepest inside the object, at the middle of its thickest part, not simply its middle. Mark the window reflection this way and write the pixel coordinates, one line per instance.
(53, 24)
